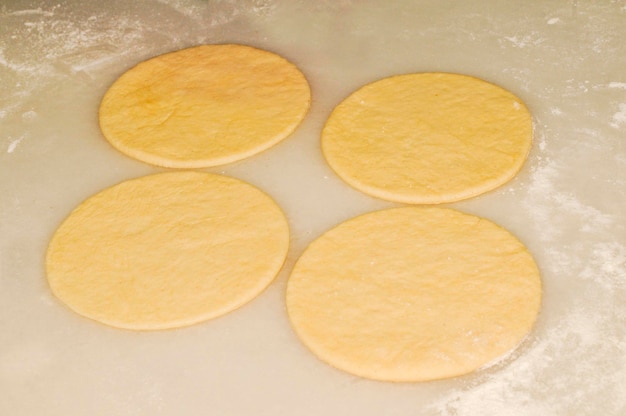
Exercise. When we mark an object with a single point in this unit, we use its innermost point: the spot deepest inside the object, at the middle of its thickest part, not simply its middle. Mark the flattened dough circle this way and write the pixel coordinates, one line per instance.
(413, 294)
(428, 138)
(204, 106)
(167, 250)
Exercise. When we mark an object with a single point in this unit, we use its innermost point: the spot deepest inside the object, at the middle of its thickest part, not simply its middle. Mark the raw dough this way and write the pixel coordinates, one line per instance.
(413, 294)
(204, 106)
(428, 138)
(167, 250)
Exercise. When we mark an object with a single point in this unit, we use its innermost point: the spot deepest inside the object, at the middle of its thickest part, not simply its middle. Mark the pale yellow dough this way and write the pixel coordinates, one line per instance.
(167, 250)
(204, 106)
(413, 294)
(428, 138)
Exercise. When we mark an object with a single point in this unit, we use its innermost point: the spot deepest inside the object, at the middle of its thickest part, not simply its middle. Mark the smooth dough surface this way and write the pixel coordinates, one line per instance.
(428, 138)
(204, 106)
(413, 294)
(167, 250)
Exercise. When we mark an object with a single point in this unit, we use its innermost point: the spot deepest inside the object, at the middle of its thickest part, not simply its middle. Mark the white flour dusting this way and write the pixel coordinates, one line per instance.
(47, 44)
(566, 367)
(37, 11)
(525, 40)
(41, 48)
(13, 144)
(577, 352)
(185, 7)
(621, 85)
(556, 111)
(529, 386)
(550, 205)
(607, 264)
(619, 118)
(29, 115)
(44, 47)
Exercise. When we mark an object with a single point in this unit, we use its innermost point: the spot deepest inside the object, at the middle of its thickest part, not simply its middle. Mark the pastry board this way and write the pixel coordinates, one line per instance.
(565, 60)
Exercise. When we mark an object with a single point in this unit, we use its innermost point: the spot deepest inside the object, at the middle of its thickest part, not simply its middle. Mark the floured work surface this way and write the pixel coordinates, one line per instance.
(564, 61)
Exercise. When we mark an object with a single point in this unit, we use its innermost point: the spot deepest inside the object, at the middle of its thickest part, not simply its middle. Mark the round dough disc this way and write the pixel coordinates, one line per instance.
(167, 250)
(204, 106)
(428, 138)
(413, 294)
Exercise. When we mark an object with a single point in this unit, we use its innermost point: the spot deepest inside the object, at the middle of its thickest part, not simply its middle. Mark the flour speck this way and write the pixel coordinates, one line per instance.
(619, 118)
(620, 85)
(13, 143)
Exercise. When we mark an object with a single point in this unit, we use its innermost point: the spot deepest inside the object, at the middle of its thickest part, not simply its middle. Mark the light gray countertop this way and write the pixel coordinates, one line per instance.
(565, 60)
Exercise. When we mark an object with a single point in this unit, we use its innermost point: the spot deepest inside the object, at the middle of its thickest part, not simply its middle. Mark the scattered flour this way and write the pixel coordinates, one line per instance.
(48, 45)
(591, 219)
(13, 143)
(553, 20)
(577, 344)
(607, 265)
(30, 12)
(556, 111)
(522, 41)
(621, 85)
(577, 352)
(222, 12)
(619, 118)
(29, 115)
(45, 46)
(550, 205)
(21, 67)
